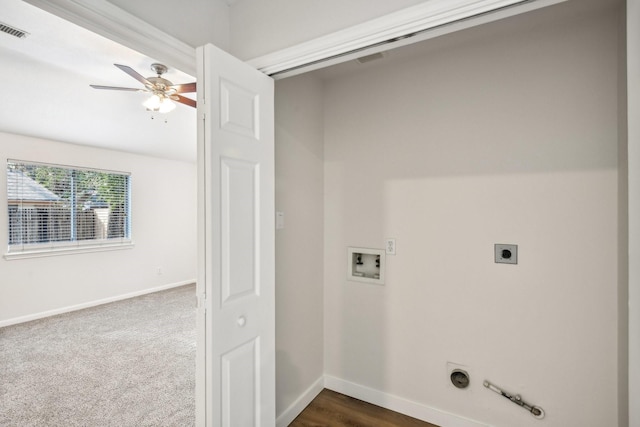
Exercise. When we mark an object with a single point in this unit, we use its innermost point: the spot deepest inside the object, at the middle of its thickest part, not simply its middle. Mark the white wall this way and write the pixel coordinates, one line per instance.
(299, 246)
(633, 92)
(194, 22)
(259, 27)
(623, 228)
(500, 134)
(163, 230)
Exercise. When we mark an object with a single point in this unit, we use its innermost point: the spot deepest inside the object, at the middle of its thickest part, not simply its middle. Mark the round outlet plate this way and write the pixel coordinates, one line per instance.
(460, 378)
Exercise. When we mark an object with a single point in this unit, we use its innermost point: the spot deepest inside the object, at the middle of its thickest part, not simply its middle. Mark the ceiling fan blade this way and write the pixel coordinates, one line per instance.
(184, 100)
(185, 88)
(117, 88)
(133, 73)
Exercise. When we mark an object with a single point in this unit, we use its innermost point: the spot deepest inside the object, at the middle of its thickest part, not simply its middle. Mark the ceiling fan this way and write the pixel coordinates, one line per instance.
(162, 91)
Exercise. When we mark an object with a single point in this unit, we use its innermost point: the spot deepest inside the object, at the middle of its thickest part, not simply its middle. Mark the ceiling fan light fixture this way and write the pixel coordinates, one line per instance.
(159, 103)
(152, 103)
(166, 106)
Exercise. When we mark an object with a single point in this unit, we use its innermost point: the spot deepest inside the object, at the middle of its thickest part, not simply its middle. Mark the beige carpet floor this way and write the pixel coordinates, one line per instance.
(128, 363)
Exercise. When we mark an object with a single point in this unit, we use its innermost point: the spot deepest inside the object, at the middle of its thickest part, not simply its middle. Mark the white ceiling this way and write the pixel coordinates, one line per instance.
(46, 76)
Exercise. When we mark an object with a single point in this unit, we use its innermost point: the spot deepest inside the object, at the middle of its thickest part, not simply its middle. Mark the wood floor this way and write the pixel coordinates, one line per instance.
(331, 409)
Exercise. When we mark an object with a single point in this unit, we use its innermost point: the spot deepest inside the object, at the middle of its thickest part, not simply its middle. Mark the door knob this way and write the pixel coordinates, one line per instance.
(242, 321)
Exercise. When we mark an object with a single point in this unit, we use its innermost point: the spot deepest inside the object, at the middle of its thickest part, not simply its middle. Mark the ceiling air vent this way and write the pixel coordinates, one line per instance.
(369, 58)
(8, 29)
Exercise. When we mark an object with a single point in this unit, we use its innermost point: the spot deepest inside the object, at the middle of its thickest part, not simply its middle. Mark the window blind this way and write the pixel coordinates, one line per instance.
(52, 207)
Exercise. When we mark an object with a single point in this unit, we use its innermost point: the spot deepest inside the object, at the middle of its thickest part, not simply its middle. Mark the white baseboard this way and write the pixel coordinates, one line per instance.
(398, 404)
(36, 316)
(301, 402)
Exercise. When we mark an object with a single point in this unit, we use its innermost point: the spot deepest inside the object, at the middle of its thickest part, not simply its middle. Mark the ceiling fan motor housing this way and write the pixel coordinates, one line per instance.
(160, 84)
(159, 69)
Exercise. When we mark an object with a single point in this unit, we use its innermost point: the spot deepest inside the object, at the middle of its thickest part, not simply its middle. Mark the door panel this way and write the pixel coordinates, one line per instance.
(240, 226)
(239, 109)
(240, 379)
(236, 257)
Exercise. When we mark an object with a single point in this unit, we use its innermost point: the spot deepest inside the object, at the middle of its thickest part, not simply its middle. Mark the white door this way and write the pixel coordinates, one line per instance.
(236, 315)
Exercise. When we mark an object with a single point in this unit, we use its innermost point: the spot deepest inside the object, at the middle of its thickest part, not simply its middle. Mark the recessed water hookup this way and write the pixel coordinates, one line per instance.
(506, 254)
(365, 265)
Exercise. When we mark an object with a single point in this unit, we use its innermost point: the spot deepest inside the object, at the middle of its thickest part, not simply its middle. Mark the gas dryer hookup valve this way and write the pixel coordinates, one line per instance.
(536, 411)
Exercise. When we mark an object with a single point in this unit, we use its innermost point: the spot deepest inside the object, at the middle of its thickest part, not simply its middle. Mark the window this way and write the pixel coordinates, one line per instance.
(54, 208)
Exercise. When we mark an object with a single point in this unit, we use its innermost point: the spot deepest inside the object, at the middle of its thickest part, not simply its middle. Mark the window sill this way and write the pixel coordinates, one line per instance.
(67, 250)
